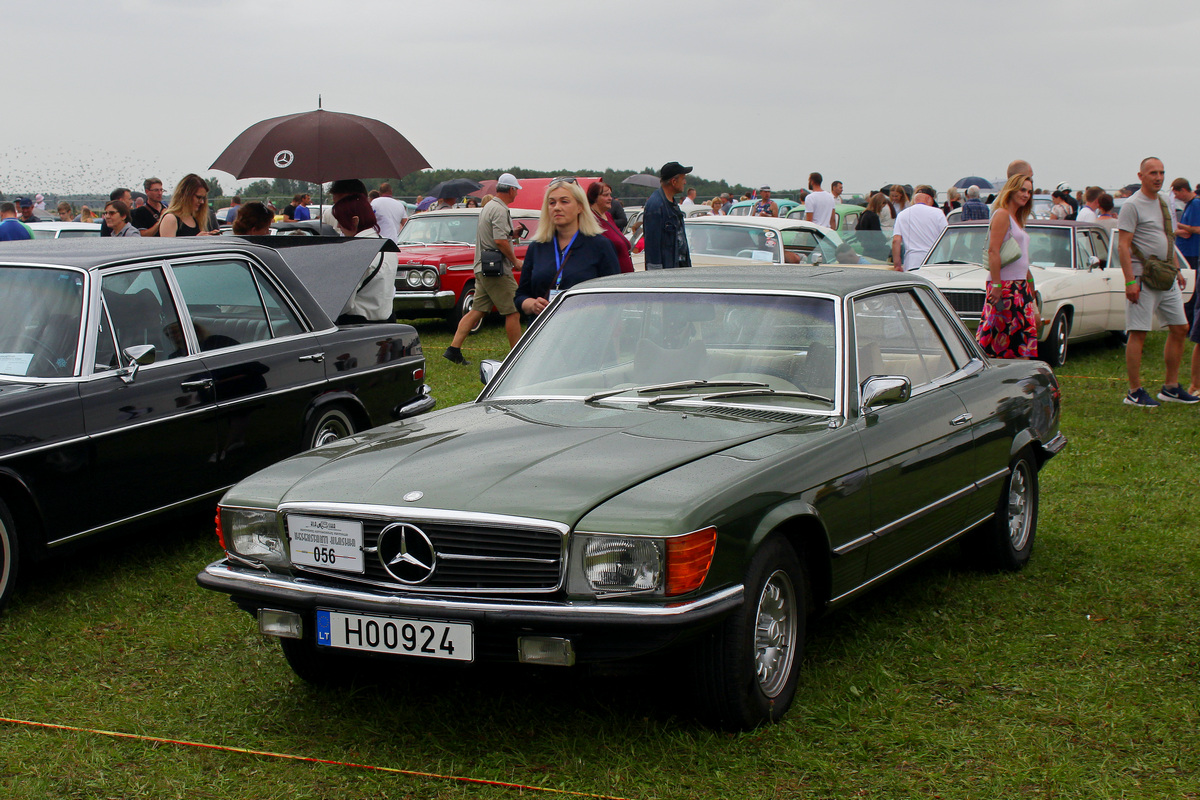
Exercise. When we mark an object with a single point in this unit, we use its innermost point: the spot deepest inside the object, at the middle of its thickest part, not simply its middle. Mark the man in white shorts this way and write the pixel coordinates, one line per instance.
(1143, 227)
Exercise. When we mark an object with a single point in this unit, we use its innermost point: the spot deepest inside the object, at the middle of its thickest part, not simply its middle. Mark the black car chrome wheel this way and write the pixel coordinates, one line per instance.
(1006, 541)
(464, 305)
(8, 554)
(748, 668)
(328, 425)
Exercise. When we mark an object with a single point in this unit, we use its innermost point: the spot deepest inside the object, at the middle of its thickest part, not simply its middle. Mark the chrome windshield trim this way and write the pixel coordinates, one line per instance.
(242, 582)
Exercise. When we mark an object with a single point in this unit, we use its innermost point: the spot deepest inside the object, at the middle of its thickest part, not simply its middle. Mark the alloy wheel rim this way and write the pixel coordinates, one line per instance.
(775, 633)
(1062, 340)
(1018, 507)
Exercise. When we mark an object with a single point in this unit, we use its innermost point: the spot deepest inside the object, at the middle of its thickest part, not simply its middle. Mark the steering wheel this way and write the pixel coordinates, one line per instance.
(41, 350)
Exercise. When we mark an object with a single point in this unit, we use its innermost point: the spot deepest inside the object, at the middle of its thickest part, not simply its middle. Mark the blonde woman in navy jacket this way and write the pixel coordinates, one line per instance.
(568, 248)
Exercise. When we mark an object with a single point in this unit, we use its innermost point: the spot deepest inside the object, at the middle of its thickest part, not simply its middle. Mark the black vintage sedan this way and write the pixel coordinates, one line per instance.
(685, 460)
(142, 376)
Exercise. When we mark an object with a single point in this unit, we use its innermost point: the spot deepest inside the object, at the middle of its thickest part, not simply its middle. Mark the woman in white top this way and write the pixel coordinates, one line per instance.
(1008, 327)
(372, 302)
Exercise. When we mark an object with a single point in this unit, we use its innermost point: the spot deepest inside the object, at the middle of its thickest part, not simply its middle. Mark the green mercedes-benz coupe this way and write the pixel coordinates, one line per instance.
(695, 461)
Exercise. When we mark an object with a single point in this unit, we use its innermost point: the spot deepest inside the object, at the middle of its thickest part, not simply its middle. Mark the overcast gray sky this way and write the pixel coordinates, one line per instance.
(104, 94)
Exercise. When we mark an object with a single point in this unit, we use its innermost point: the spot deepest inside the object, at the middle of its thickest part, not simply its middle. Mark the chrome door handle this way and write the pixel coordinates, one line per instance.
(316, 358)
(961, 419)
(197, 386)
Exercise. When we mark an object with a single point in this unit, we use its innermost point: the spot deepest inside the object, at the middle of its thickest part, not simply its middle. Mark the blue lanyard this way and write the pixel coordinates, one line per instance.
(561, 258)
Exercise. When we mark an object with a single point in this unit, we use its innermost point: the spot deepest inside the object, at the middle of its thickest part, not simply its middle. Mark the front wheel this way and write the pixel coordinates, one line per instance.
(9, 554)
(1054, 349)
(1006, 541)
(747, 669)
(327, 425)
(463, 306)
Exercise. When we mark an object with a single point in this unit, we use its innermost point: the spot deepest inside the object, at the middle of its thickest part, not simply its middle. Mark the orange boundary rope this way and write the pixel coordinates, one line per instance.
(309, 759)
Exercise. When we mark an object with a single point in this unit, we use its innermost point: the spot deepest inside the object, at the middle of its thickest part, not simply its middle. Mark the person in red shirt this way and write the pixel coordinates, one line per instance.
(600, 197)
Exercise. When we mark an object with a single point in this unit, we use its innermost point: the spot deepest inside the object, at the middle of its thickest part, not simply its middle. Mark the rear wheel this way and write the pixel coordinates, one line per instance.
(327, 425)
(747, 669)
(1005, 542)
(9, 554)
(1054, 349)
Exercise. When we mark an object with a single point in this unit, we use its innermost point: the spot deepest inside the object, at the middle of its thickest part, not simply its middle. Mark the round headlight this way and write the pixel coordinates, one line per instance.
(414, 277)
(429, 279)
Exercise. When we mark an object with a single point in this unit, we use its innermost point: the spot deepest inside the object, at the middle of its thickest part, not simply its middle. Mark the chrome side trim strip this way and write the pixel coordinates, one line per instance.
(136, 517)
(917, 557)
(895, 525)
(995, 476)
(841, 550)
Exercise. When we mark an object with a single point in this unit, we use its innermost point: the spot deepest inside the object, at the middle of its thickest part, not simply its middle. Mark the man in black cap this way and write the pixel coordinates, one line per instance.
(662, 220)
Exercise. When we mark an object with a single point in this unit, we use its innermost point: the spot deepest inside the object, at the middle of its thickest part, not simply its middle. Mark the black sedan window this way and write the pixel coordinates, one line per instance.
(895, 337)
(232, 304)
(40, 315)
(139, 310)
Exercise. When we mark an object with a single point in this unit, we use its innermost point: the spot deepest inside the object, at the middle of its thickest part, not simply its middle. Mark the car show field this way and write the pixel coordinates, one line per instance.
(1083, 664)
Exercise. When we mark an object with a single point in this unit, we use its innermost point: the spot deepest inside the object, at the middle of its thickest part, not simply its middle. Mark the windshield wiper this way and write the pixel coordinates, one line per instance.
(949, 261)
(768, 391)
(449, 241)
(666, 387)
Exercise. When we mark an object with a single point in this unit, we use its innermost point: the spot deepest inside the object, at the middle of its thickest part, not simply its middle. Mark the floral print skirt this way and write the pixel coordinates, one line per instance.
(1008, 328)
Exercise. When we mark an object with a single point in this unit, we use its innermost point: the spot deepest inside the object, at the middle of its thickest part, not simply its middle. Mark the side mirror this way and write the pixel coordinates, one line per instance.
(1094, 261)
(139, 355)
(885, 390)
(487, 370)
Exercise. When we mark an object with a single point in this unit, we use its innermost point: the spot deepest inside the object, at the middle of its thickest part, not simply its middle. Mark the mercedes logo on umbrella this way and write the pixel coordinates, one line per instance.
(407, 553)
(284, 159)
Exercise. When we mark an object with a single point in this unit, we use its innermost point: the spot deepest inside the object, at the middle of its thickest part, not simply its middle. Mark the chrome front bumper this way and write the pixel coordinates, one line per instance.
(252, 587)
(443, 300)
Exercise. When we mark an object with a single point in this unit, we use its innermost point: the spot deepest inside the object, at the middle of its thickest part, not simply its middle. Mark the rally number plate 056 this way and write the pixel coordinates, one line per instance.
(326, 543)
(400, 636)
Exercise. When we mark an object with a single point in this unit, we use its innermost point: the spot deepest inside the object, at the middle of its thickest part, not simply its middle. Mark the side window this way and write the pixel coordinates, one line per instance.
(893, 336)
(1100, 245)
(224, 302)
(139, 311)
(948, 327)
(1083, 250)
(284, 321)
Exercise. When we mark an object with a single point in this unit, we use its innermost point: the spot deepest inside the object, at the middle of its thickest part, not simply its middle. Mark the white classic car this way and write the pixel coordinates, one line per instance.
(722, 240)
(64, 230)
(1081, 294)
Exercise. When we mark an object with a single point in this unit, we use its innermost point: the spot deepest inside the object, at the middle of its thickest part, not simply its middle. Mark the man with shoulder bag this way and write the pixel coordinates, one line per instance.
(1153, 283)
(495, 286)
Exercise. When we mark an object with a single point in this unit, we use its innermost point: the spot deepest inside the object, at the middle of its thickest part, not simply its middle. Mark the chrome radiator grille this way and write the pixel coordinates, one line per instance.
(967, 304)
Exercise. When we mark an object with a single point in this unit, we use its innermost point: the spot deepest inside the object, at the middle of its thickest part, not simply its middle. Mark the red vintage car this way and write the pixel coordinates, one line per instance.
(436, 275)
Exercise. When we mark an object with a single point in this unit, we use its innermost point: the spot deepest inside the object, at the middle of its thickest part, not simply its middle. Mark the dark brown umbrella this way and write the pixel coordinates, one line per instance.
(320, 146)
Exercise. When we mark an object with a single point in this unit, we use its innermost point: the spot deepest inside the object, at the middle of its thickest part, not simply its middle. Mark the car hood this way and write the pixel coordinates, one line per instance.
(550, 460)
(965, 276)
(435, 253)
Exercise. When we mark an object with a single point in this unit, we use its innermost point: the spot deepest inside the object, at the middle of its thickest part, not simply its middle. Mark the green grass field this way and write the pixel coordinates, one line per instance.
(1076, 678)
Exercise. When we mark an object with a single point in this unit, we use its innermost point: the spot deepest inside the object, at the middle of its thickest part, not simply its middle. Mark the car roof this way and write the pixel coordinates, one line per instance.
(59, 225)
(474, 212)
(778, 223)
(829, 279)
(93, 253)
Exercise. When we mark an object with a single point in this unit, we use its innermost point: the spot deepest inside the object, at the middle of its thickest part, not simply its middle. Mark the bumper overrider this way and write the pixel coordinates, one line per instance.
(598, 630)
(409, 301)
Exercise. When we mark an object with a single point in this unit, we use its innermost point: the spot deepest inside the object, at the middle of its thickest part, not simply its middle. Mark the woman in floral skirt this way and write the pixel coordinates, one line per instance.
(1009, 326)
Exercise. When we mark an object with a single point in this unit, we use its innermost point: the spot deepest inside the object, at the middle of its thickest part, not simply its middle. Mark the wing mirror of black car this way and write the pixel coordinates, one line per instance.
(487, 370)
(884, 390)
(139, 355)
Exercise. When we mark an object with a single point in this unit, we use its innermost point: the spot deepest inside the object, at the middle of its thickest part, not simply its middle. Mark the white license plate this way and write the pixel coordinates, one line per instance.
(409, 637)
(326, 543)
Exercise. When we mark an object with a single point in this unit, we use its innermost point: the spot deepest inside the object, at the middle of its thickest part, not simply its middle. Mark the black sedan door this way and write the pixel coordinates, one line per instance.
(265, 367)
(153, 432)
(920, 452)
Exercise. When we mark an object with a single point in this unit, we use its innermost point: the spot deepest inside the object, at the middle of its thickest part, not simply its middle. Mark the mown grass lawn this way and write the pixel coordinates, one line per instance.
(1076, 678)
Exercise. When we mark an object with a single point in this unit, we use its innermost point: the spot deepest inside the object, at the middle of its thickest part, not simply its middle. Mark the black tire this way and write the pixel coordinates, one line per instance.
(463, 306)
(327, 425)
(1005, 542)
(10, 552)
(746, 670)
(1054, 350)
(321, 666)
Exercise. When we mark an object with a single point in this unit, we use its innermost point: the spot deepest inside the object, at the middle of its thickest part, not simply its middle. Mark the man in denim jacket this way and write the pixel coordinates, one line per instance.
(662, 220)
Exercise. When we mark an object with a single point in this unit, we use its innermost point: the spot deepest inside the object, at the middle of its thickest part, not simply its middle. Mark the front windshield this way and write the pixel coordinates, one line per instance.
(597, 343)
(40, 314)
(437, 228)
(735, 241)
(965, 244)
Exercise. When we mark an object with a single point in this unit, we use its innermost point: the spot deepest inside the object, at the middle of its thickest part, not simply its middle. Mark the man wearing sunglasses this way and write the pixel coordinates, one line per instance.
(666, 246)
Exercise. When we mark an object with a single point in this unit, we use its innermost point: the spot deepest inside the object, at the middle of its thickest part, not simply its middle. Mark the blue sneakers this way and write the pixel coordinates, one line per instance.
(1177, 394)
(1140, 397)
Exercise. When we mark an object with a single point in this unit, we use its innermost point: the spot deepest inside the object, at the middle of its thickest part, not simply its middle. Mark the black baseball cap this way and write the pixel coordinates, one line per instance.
(671, 169)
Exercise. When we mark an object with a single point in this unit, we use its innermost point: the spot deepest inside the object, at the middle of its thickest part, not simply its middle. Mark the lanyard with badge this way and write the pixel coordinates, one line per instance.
(560, 260)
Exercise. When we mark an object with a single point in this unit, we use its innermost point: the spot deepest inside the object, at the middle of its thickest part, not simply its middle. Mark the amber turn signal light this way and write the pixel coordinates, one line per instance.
(688, 559)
